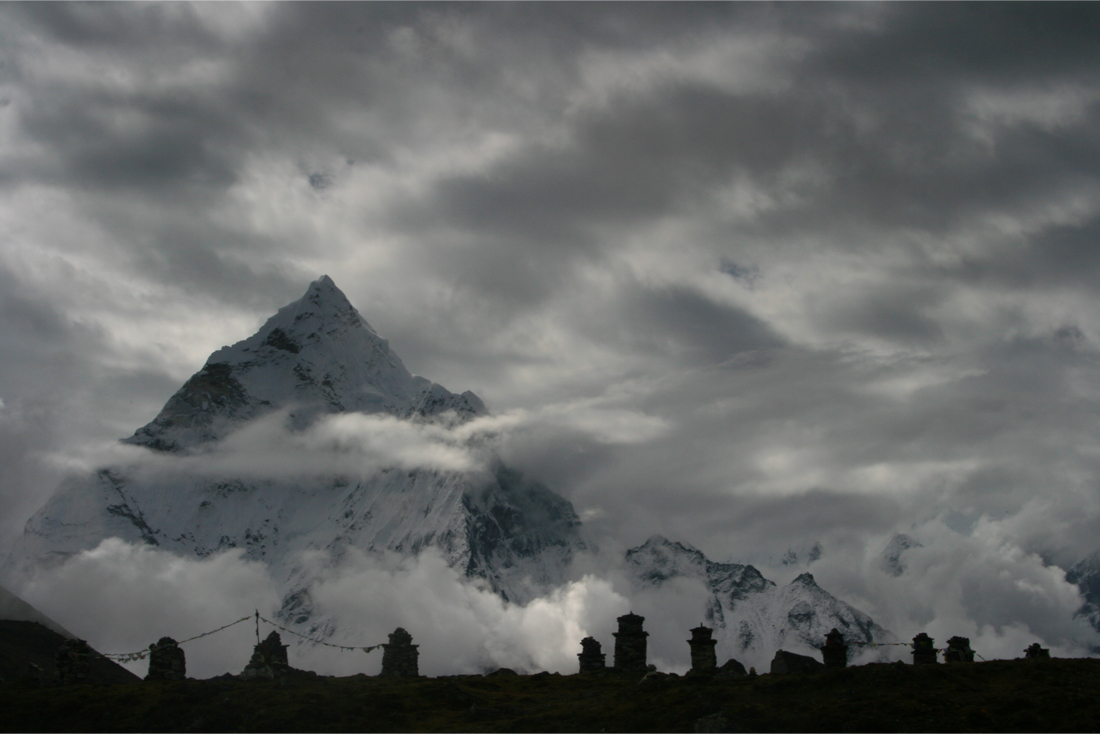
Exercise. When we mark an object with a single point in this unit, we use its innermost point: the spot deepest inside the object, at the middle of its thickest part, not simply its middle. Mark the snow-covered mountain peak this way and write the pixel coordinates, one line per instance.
(659, 559)
(315, 356)
(805, 579)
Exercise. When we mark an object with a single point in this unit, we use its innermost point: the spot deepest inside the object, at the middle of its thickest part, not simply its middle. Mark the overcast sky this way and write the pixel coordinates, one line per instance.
(775, 274)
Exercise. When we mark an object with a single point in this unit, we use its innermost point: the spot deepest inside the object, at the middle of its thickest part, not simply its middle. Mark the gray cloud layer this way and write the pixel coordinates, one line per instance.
(843, 255)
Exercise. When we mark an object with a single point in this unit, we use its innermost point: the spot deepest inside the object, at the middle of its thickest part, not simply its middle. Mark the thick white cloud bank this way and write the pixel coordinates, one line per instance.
(121, 597)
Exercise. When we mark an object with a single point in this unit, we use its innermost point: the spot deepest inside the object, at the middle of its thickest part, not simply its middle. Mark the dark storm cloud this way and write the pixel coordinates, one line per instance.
(1002, 42)
(654, 321)
(894, 312)
(813, 271)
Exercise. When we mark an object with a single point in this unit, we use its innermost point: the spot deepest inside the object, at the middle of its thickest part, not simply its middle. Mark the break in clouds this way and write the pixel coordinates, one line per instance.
(748, 276)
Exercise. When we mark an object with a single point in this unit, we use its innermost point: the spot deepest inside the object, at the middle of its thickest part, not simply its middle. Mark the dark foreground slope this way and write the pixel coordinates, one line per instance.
(22, 643)
(1003, 695)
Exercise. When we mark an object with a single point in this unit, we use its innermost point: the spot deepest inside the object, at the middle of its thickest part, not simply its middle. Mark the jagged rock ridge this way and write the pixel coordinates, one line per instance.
(752, 616)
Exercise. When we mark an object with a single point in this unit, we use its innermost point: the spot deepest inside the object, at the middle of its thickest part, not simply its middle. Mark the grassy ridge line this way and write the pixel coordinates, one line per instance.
(1000, 695)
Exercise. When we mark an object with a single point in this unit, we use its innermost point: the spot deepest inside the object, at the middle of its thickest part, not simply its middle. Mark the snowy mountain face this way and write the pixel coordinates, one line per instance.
(893, 552)
(801, 555)
(317, 361)
(752, 616)
(1086, 574)
(317, 355)
(316, 358)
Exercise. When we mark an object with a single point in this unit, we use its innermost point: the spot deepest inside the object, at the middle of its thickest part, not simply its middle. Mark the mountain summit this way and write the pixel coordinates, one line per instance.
(316, 359)
(317, 355)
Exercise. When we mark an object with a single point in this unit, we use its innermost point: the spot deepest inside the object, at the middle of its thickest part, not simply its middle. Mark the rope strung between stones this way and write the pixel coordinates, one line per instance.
(140, 655)
(319, 642)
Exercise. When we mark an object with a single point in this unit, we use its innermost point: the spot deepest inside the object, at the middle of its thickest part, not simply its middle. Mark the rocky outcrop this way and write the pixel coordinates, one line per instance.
(731, 669)
(788, 662)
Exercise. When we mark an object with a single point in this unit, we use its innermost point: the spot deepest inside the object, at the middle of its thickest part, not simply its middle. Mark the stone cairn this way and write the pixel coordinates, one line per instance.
(958, 651)
(834, 653)
(703, 657)
(590, 656)
(269, 659)
(72, 659)
(630, 643)
(399, 657)
(1035, 652)
(166, 660)
(924, 650)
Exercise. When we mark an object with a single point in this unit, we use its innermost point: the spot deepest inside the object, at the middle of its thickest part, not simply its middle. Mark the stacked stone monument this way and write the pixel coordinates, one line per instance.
(166, 660)
(834, 653)
(72, 659)
(590, 656)
(924, 650)
(269, 659)
(703, 657)
(1036, 652)
(958, 651)
(399, 657)
(630, 643)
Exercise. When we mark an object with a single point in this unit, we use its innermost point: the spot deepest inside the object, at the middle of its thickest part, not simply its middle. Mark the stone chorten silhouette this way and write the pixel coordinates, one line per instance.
(72, 659)
(630, 643)
(958, 651)
(591, 658)
(703, 657)
(269, 659)
(1036, 652)
(924, 650)
(399, 656)
(166, 660)
(834, 653)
